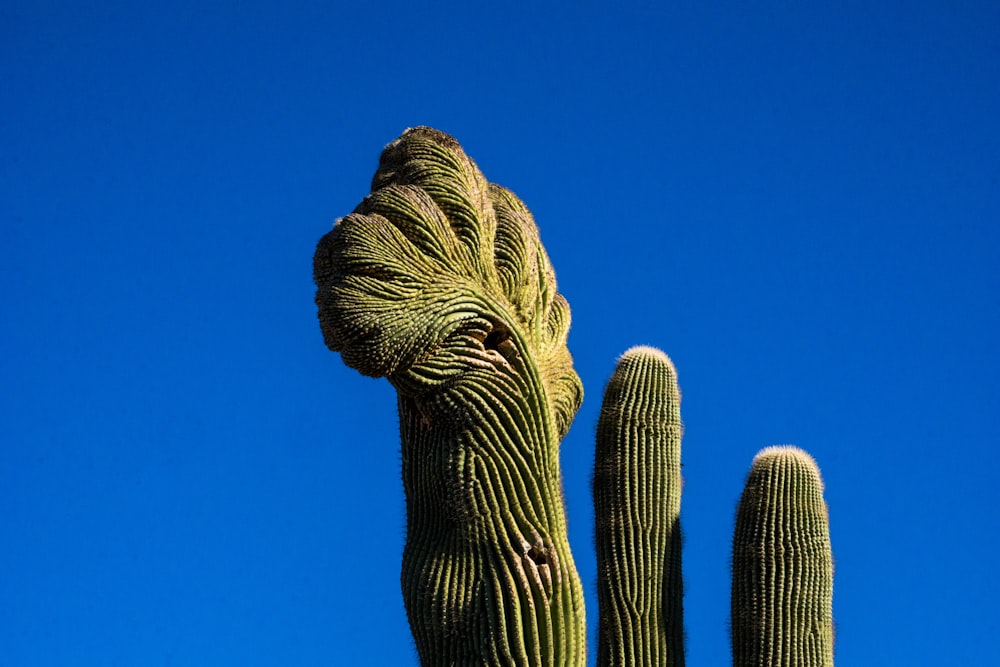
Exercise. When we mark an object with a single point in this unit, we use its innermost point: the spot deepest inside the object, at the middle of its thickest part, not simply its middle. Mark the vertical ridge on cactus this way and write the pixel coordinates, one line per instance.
(782, 593)
(438, 281)
(637, 496)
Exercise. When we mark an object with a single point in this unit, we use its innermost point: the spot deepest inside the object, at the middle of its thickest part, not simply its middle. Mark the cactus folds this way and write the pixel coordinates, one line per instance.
(438, 281)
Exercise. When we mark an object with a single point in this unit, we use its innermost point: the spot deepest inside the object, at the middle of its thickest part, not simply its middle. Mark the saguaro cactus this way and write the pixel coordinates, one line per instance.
(782, 594)
(637, 504)
(438, 281)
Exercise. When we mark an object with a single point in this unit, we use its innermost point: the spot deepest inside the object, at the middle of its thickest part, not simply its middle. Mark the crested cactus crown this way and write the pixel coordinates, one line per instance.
(438, 271)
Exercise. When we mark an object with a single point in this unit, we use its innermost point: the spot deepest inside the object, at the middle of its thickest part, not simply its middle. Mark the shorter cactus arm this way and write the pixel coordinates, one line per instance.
(637, 497)
(782, 593)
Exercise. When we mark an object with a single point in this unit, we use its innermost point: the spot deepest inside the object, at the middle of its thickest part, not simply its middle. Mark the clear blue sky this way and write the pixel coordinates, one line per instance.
(799, 202)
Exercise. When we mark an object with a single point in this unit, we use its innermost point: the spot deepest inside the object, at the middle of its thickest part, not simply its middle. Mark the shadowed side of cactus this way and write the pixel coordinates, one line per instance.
(782, 593)
(637, 498)
(438, 281)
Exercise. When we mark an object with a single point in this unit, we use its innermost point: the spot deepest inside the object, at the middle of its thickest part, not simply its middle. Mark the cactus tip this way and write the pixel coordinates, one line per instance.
(791, 451)
(647, 351)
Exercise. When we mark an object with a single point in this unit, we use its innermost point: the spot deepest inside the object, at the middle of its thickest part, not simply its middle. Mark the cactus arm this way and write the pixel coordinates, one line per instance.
(782, 593)
(438, 282)
(637, 495)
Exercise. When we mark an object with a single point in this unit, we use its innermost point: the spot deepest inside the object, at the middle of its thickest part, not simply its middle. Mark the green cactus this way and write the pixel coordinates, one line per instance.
(438, 281)
(637, 504)
(782, 592)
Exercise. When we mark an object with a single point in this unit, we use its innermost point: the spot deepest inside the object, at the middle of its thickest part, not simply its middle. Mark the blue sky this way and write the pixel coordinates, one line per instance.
(799, 202)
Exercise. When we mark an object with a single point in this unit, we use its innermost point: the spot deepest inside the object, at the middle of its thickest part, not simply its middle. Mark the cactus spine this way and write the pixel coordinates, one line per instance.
(438, 282)
(782, 591)
(637, 502)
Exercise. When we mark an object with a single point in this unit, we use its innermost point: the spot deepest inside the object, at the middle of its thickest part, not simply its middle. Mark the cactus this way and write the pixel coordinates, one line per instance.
(782, 591)
(438, 282)
(637, 503)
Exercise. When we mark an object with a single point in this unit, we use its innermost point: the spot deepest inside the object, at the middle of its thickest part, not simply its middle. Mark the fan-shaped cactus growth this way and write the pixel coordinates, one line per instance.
(438, 282)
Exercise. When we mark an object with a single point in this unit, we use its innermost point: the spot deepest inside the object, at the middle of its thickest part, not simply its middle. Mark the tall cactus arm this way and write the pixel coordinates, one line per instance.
(637, 501)
(438, 282)
(782, 594)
